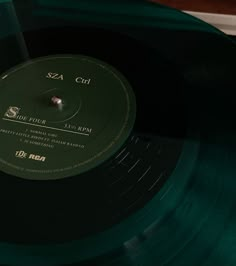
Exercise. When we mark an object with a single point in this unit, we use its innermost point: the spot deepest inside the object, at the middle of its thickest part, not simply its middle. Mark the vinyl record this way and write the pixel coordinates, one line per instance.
(117, 136)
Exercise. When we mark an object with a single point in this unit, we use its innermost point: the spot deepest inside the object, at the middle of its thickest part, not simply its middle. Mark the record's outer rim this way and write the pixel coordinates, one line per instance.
(139, 13)
(91, 247)
(105, 242)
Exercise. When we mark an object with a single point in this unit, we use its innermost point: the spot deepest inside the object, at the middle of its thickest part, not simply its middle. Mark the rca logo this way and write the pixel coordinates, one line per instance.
(24, 155)
(37, 158)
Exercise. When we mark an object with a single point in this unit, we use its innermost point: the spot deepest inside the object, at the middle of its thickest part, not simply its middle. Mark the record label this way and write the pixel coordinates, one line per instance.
(62, 115)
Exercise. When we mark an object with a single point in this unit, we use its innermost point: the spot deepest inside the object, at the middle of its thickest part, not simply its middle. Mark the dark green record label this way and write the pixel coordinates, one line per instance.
(62, 115)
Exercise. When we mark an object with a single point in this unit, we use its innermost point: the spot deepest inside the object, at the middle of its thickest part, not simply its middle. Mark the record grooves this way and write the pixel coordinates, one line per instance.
(117, 136)
(127, 180)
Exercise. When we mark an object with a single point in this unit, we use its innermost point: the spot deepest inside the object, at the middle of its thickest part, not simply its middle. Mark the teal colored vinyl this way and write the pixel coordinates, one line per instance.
(8, 19)
(139, 13)
(111, 239)
(197, 200)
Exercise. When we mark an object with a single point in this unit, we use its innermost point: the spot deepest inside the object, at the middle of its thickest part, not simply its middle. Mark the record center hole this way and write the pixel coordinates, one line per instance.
(57, 101)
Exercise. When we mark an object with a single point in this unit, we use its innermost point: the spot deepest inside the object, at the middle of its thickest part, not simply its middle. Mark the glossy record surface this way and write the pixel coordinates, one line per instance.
(188, 218)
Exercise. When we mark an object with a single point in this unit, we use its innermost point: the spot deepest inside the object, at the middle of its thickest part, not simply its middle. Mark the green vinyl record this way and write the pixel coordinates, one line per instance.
(117, 136)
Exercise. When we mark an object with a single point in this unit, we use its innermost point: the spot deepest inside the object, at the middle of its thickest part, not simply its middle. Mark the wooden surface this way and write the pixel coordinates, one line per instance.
(210, 6)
